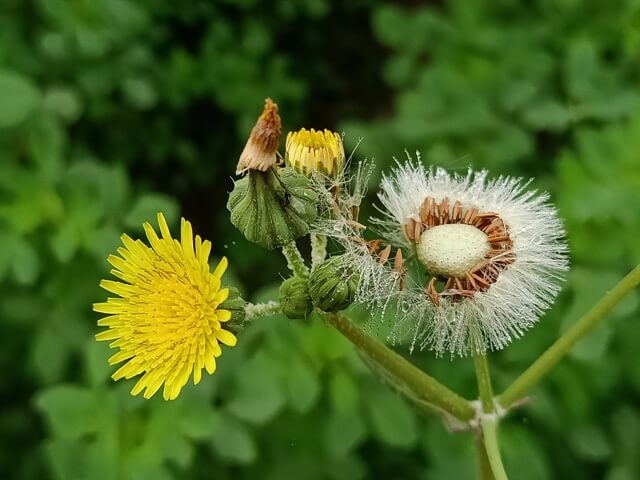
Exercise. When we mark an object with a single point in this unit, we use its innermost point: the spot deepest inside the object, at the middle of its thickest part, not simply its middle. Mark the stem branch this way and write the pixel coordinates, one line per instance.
(295, 262)
(418, 381)
(318, 249)
(254, 310)
(561, 347)
(484, 382)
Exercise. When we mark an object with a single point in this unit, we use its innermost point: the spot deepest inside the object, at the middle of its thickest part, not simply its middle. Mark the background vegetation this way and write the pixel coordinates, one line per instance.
(113, 109)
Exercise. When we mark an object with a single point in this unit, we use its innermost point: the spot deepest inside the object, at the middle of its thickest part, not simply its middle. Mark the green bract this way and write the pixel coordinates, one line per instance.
(294, 298)
(235, 304)
(272, 208)
(333, 285)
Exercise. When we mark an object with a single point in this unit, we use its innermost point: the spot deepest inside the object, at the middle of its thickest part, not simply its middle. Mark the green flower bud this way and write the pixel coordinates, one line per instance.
(294, 298)
(333, 285)
(273, 208)
(235, 304)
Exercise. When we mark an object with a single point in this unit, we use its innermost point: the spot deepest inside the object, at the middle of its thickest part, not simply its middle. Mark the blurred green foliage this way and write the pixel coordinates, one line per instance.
(111, 110)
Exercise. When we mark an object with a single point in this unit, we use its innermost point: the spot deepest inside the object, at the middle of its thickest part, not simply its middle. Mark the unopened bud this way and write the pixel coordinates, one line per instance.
(294, 298)
(333, 285)
(311, 151)
(273, 208)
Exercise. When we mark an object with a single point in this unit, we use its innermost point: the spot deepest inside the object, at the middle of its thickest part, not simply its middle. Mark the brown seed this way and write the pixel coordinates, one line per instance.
(417, 232)
(384, 255)
(432, 292)
(397, 262)
(457, 212)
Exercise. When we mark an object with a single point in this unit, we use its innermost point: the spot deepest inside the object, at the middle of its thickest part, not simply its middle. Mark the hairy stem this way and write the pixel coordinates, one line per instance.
(254, 310)
(318, 249)
(295, 262)
(490, 434)
(420, 383)
(561, 347)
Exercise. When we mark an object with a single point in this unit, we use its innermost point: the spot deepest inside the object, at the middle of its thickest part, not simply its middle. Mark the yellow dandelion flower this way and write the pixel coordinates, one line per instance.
(166, 322)
(310, 151)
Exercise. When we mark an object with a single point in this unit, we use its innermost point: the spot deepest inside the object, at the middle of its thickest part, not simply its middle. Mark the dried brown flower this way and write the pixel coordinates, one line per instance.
(260, 151)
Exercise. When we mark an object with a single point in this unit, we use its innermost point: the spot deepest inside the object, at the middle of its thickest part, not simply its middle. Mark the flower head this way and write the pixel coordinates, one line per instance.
(167, 322)
(260, 151)
(309, 151)
(481, 262)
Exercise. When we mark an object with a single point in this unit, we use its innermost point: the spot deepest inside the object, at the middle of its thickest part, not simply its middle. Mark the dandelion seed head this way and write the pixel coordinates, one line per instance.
(481, 259)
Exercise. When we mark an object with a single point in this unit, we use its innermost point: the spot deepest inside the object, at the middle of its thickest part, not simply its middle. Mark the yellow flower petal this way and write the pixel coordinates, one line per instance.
(166, 323)
(226, 337)
(221, 268)
(311, 151)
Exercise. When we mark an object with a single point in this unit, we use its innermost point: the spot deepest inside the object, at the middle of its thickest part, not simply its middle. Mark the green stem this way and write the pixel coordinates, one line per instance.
(561, 347)
(295, 262)
(484, 383)
(488, 418)
(490, 435)
(318, 249)
(415, 379)
(483, 467)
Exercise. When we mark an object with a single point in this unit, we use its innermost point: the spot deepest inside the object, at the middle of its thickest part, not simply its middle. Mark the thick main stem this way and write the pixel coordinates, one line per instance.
(483, 467)
(490, 434)
(561, 347)
(488, 418)
(422, 384)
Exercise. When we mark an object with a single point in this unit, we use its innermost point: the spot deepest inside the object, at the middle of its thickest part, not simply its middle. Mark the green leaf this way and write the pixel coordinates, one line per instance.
(198, 420)
(97, 368)
(233, 441)
(343, 391)
(347, 468)
(18, 98)
(71, 410)
(6, 252)
(49, 354)
(147, 206)
(26, 264)
(258, 397)
(590, 443)
(548, 115)
(518, 443)
(343, 432)
(64, 102)
(69, 459)
(301, 385)
(392, 420)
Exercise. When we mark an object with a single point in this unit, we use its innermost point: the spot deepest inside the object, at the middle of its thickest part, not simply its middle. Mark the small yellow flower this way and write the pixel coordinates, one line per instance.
(167, 322)
(309, 151)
